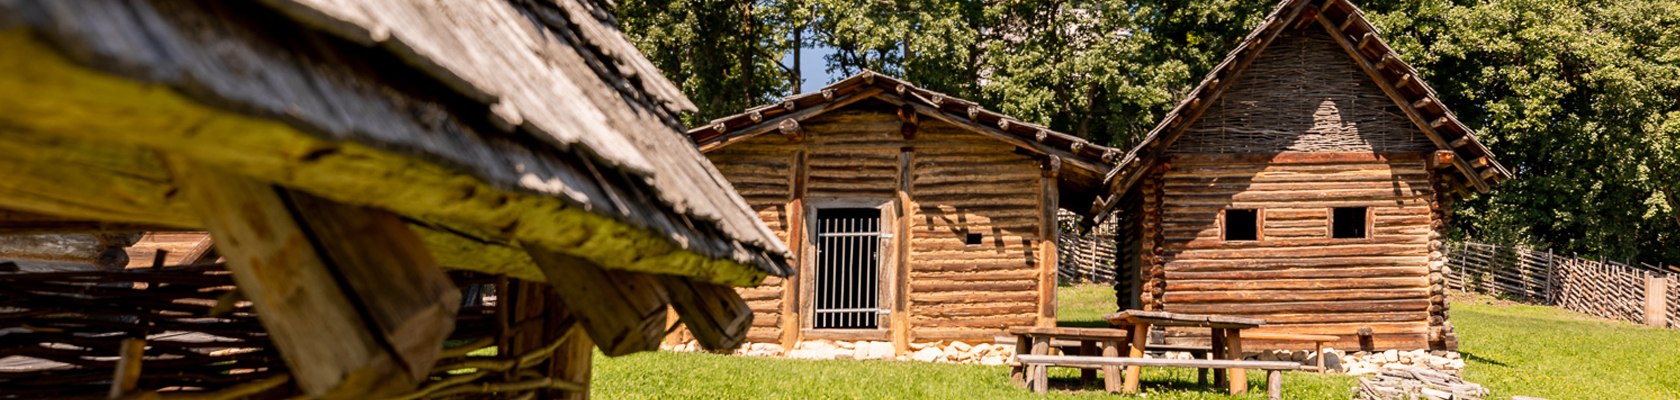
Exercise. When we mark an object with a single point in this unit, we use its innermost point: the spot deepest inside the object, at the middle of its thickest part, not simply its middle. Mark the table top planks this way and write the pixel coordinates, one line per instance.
(1163, 318)
(1069, 333)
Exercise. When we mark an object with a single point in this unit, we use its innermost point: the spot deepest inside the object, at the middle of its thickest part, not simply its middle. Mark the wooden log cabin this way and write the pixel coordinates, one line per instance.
(1307, 181)
(343, 154)
(913, 216)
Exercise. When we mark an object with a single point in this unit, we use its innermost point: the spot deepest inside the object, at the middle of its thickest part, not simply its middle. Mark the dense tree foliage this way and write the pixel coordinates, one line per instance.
(1581, 98)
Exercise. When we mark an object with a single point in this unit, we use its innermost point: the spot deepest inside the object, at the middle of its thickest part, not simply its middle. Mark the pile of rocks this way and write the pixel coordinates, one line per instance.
(945, 352)
(1363, 363)
(1414, 382)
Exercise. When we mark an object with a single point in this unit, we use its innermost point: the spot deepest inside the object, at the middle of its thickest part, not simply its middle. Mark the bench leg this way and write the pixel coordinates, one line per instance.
(1111, 374)
(1217, 351)
(1040, 378)
(1318, 348)
(1274, 385)
(1018, 372)
(1239, 377)
(1140, 337)
(1086, 348)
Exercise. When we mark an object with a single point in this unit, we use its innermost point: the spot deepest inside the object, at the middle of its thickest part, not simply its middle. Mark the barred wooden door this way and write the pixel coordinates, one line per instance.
(847, 268)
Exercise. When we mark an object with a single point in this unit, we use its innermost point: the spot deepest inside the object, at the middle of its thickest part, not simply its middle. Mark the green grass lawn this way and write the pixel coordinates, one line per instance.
(1525, 350)
(1512, 349)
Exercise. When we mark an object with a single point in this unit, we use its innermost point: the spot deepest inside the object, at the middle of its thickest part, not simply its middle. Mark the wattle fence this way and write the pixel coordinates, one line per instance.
(1634, 292)
(1088, 257)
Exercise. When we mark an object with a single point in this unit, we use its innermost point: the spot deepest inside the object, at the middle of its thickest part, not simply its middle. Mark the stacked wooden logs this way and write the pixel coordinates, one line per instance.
(1441, 334)
(1154, 273)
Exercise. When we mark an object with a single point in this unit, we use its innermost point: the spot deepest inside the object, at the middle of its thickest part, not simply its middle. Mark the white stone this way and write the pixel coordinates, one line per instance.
(1391, 356)
(960, 346)
(927, 354)
(811, 354)
(817, 345)
(845, 344)
(876, 351)
(994, 359)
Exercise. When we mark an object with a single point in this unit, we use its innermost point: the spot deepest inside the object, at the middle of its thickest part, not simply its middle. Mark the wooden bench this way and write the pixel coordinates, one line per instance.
(1317, 340)
(1038, 368)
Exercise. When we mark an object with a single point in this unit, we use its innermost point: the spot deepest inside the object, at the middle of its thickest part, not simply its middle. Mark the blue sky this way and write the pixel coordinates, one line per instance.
(811, 68)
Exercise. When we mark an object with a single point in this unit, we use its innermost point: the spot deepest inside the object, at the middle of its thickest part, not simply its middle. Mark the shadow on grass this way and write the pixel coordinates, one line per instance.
(1147, 385)
(1468, 356)
(1084, 324)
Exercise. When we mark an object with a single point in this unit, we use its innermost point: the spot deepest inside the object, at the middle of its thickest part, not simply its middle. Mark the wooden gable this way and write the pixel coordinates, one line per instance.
(1469, 166)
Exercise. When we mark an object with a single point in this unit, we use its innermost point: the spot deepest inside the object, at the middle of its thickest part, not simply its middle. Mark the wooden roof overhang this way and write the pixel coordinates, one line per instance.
(489, 125)
(347, 149)
(1082, 165)
(1470, 166)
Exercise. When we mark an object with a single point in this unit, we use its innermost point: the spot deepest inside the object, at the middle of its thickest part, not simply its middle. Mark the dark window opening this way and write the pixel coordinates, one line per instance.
(1348, 223)
(1242, 224)
(848, 265)
(973, 239)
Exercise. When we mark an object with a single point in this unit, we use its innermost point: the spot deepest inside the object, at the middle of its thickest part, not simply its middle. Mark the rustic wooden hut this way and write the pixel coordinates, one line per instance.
(341, 152)
(1307, 181)
(913, 216)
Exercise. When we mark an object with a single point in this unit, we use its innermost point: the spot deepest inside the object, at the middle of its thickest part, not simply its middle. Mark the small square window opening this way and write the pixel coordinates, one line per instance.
(1242, 224)
(1349, 223)
(972, 239)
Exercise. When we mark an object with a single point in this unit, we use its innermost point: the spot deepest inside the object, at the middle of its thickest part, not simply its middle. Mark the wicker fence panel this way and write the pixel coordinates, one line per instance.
(60, 335)
(1607, 289)
(1088, 257)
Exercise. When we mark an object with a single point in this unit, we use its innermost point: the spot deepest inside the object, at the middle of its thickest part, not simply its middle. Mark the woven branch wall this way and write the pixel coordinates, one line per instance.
(1303, 94)
(1605, 289)
(1089, 257)
(62, 333)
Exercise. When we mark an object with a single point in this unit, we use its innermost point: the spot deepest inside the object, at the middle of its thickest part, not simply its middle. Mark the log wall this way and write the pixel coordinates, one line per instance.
(1295, 277)
(960, 183)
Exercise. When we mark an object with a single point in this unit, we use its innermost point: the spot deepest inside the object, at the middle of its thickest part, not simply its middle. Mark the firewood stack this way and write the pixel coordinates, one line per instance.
(1417, 383)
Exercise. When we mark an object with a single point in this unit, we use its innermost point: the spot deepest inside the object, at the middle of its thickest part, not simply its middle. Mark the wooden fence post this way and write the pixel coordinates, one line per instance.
(1656, 299)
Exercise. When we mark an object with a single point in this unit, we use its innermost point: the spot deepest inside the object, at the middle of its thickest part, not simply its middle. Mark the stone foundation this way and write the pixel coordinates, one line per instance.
(1357, 363)
(943, 352)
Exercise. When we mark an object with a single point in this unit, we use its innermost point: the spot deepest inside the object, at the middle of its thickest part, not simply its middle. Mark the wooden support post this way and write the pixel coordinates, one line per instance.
(127, 376)
(1274, 384)
(1086, 375)
(1017, 371)
(316, 269)
(1111, 374)
(1039, 375)
(1239, 376)
(1217, 351)
(790, 285)
(623, 311)
(900, 325)
(572, 362)
(1140, 339)
(1047, 236)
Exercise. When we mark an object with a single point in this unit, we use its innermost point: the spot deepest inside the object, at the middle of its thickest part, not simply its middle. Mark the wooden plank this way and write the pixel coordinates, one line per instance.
(715, 314)
(905, 211)
(1077, 361)
(315, 269)
(623, 311)
(1047, 237)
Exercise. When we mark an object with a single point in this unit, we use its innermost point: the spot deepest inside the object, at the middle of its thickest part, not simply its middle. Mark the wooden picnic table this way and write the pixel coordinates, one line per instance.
(1092, 341)
(1227, 340)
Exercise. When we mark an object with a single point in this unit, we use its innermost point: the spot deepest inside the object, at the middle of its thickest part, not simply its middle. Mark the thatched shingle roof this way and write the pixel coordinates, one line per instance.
(540, 99)
(1084, 164)
(1474, 167)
